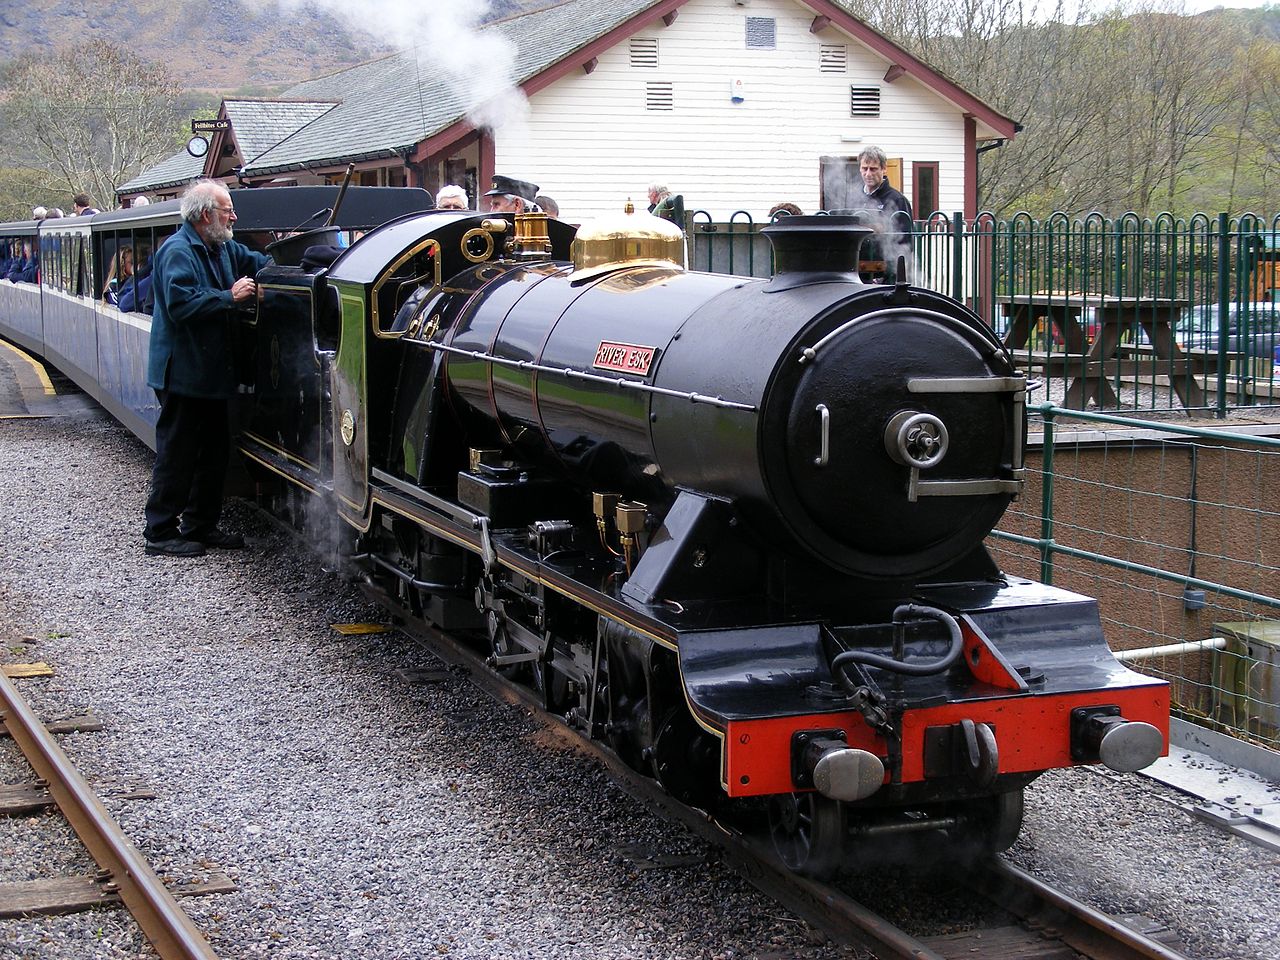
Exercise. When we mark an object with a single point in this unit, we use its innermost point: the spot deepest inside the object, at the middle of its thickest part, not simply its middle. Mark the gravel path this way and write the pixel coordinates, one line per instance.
(364, 816)
(361, 816)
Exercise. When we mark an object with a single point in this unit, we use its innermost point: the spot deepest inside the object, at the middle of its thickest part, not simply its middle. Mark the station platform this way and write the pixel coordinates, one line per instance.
(1228, 783)
(28, 389)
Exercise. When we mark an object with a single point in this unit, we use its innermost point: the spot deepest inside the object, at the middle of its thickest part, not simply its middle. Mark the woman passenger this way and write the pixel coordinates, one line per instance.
(118, 275)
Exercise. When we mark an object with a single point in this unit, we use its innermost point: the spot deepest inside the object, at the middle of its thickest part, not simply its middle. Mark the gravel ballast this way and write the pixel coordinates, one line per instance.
(365, 816)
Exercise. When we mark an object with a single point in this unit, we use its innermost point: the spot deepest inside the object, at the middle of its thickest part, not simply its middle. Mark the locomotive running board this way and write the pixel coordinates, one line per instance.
(464, 528)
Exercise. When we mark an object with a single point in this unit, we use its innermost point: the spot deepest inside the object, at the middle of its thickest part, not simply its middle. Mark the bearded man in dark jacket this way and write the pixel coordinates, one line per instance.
(200, 278)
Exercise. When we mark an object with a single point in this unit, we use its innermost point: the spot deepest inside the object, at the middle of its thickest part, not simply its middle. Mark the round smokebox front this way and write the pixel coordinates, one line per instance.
(861, 450)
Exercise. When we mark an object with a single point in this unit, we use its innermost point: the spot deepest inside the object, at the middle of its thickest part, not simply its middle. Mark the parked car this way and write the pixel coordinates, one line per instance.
(1253, 328)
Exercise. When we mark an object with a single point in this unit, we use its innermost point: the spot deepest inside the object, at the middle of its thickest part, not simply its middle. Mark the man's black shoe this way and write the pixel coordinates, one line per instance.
(176, 547)
(217, 538)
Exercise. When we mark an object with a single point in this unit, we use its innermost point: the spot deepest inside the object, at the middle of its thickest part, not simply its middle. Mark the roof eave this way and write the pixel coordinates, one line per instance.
(382, 154)
(147, 187)
(1000, 125)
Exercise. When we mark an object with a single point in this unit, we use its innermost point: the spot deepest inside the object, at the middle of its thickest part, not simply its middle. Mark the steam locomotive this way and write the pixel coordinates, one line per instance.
(733, 528)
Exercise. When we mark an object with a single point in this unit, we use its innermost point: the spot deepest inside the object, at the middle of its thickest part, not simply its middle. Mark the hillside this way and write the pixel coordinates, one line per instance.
(226, 46)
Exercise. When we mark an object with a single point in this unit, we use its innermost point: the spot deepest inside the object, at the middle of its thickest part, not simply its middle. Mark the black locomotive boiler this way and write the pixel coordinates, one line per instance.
(732, 527)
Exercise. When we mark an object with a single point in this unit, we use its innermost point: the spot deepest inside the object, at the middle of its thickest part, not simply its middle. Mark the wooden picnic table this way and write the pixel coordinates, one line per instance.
(1026, 310)
(1091, 366)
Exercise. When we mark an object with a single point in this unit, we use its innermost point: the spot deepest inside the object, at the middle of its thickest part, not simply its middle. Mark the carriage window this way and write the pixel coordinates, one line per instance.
(146, 242)
(50, 263)
(107, 280)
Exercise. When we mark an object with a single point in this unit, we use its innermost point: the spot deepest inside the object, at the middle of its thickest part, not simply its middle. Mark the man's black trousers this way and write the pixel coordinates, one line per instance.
(192, 447)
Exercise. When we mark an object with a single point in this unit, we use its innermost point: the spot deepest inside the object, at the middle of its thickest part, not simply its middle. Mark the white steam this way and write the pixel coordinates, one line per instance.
(843, 189)
(477, 66)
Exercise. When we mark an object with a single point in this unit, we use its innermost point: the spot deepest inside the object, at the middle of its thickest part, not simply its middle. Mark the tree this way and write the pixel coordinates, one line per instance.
(1120, 110)
(90, 118)
(1256, 130)
(1172, 101)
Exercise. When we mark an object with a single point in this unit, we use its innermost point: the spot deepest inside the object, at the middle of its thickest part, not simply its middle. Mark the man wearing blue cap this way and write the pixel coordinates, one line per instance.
(510, 195)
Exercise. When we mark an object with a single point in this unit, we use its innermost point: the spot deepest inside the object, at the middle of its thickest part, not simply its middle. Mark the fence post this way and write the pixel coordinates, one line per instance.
(957, 256)
(1224, 293)
(1046, 497)
(1114, 279)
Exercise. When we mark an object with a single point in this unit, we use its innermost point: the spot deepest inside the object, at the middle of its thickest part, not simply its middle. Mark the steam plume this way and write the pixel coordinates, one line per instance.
(445, 37)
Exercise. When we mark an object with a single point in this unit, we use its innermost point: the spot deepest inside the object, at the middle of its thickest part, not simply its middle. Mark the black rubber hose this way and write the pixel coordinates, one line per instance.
(922, 669)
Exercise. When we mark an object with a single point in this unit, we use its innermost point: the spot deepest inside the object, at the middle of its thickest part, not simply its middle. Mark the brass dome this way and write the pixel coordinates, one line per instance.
(626, 239)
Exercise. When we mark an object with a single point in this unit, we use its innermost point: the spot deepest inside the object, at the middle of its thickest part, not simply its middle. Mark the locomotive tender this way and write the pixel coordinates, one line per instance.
(733, 528)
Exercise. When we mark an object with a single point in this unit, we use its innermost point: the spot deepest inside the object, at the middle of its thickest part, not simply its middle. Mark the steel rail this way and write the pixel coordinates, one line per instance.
(170, 931)
(1076, 924)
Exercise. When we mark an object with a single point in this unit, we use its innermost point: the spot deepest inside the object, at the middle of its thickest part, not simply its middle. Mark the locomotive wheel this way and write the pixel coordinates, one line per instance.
(808, 832)
(990, 825)
(684, 760)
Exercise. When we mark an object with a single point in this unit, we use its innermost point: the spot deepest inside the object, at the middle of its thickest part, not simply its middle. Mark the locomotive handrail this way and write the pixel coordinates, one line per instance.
(573, 374)
(808, 354)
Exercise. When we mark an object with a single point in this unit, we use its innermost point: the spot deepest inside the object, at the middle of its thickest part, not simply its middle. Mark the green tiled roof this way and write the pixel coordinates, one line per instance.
(177, 169)
(261, 124)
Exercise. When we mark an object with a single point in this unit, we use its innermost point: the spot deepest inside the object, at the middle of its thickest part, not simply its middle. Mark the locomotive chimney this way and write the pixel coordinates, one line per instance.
(814, 250)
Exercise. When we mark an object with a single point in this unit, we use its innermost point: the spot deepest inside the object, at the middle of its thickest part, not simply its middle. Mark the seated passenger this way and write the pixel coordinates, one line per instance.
(118, 274)
(134, 294)
(24, 268)
(15, 262)
(146, 297)
(30, 272)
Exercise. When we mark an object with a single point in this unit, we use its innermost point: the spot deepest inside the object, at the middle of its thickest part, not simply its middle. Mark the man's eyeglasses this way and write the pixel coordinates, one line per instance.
(227, 209)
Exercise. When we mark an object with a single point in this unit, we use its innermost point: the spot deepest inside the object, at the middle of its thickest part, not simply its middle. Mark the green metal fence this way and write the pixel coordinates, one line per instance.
(1131, 314)
(1176, 531)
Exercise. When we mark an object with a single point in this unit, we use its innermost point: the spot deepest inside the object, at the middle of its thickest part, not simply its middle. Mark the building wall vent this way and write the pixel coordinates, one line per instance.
(833, 58)
(659, 96)
(644, 53)
(864, 101)
(762, 33)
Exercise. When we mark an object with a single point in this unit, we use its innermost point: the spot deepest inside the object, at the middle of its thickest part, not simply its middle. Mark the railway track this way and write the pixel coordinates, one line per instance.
(1034, 920)
(123, 871)
(1046, 917)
